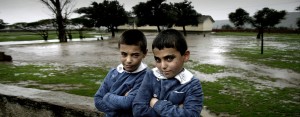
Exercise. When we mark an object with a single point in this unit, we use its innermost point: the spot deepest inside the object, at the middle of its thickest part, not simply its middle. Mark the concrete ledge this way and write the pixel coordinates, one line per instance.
(27, 102)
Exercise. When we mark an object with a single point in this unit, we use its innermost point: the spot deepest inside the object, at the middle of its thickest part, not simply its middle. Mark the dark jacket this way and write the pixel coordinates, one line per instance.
(110, 97)
(184, 89)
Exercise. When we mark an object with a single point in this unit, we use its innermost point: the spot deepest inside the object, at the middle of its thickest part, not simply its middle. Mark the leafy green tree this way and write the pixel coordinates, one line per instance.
(108, 13)
(59, 8)
(239, 18)
(153, 13)
(264, 19)
(143, 13)
(2, 24)
(92, 13)
(185, 14)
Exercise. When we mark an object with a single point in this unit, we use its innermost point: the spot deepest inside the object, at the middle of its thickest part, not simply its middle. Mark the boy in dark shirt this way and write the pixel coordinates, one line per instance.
(121, 84)
(169, 90)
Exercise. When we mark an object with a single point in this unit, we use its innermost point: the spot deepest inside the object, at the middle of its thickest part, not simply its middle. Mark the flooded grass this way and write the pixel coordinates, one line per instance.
(240, 97)
(248, 95)
(280, 50)
(82, 79)
(209, 69)
(230, 95)
(278, 58)
(279, 36)
(26, 36)
(235, 33)
(22, 36)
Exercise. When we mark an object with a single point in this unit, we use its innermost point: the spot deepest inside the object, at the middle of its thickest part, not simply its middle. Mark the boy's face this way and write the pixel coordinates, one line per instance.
(169, 61)
(131, 56)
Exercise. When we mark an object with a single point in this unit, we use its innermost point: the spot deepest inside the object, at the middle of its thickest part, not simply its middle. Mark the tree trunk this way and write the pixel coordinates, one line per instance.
(60, 23)
(262, 41)
(112, 29)
(80, 33)
(158, 28)
(184, 31)
(258, 34)
(44, 34)
(70, 36)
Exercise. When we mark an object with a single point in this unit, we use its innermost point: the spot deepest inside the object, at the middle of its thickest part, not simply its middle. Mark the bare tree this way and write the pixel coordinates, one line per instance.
(61, 10)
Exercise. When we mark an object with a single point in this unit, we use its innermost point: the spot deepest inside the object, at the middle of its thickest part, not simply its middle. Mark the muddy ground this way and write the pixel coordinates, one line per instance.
(92, 52)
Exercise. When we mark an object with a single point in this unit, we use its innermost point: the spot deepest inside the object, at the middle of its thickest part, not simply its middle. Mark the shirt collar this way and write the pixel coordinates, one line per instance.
(120, 68)
(183, 77)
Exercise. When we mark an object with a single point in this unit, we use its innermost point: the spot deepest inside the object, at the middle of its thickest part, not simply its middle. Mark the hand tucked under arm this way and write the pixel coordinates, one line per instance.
(126, 94)
(153, 101)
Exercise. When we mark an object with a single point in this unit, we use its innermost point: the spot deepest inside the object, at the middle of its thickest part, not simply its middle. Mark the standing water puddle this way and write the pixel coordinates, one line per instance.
(90, 52)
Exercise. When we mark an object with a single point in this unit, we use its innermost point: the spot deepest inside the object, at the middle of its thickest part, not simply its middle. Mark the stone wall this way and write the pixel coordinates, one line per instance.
(26, 102)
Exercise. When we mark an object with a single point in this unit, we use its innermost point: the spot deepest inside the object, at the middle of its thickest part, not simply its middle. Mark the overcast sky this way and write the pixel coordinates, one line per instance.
(12, 11)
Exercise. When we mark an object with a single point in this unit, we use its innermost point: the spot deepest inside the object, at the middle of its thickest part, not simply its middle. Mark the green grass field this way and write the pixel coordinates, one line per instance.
(27, 36)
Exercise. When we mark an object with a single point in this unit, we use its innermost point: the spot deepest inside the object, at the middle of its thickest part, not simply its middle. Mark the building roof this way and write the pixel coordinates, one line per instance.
(202, 18)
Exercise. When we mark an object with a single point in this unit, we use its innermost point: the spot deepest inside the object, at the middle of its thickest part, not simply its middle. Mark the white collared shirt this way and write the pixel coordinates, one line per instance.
(120, 68)
(183, 77)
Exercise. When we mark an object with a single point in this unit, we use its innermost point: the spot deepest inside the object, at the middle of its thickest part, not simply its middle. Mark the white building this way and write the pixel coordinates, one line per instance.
(205, 25)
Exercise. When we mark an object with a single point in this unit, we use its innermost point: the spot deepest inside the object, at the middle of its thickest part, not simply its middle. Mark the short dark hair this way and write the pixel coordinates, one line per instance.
(134, 37)
(170, 38)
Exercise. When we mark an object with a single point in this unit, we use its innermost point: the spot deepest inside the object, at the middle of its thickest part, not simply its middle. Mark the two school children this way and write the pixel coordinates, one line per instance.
(166, 90)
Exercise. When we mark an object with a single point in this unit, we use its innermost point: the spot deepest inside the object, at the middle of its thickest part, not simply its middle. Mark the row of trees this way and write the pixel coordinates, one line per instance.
(262, 20)
(111, 14)
(157, 13)
(42, 27)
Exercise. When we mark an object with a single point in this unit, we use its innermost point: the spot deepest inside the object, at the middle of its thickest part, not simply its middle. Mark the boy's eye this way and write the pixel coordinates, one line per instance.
(135, 55)
(123, 54)
(170, 58)
(157, 60)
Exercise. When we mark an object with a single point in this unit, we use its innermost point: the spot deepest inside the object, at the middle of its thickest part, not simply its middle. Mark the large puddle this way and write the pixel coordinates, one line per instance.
(90, 52)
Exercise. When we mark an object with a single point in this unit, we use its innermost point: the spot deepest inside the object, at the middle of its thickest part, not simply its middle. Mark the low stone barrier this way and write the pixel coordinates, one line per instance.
(27, 102)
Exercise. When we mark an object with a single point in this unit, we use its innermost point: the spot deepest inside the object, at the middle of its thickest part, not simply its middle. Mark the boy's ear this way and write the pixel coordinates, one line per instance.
(145, 54)
(186, 56)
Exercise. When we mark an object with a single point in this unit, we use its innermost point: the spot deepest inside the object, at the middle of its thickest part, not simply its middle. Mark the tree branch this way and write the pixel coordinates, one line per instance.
(52, 8)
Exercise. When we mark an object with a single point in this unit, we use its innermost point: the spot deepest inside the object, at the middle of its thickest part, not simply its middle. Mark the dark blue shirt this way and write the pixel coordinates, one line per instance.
(181, 96)
(110, 97)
